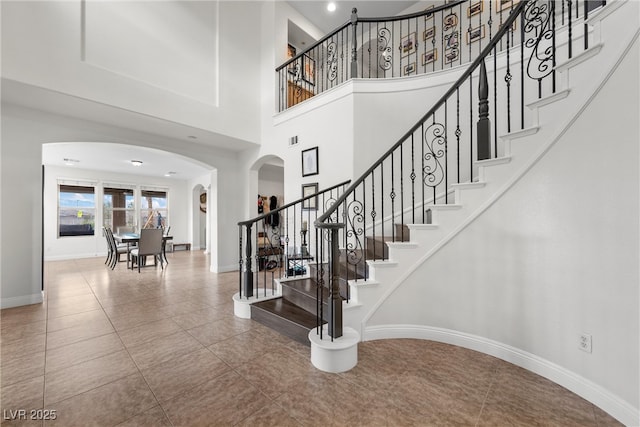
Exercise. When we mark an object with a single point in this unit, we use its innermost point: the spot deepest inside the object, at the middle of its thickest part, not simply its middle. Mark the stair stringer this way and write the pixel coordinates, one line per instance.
(524, 154)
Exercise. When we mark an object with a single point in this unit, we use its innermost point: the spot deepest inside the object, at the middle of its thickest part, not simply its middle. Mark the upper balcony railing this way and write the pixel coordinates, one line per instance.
(434, 39)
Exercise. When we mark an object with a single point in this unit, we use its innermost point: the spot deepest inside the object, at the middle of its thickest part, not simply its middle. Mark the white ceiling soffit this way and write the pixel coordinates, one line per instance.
(316, 11)
(41, 99)
(117, 158)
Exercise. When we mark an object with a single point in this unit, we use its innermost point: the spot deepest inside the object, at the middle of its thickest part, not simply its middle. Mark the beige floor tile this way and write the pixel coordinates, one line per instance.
(22, 315)
(153, 417)
(11, 333)
(225, 400)
(163, 349)
(213, 332)
(65, 383)
(243, 348)
(179, 375)
(22, 368)
(82, 351)
(148, 332)
(28, 394)
(199, 317)
(135, 317)
(270, 415)
(79, 332)
(23, 347)
(80, 319)
(109, 404)
(72, 305)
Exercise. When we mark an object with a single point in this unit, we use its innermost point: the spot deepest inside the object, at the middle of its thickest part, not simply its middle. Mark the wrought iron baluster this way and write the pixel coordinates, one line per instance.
(382, 203)
(248, 276)
(470, 128)
(446, 158)
(413, 181)
(240, 261)
(392, 195)
(570, 40)
(422, 144)
(373, 211)
(458, 133)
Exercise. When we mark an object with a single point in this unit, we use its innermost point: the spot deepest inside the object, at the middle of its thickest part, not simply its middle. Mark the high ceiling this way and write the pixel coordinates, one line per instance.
(117, 158)
(316, 11)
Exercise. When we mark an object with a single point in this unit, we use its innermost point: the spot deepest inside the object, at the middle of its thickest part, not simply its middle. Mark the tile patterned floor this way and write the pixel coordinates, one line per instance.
(163, 348)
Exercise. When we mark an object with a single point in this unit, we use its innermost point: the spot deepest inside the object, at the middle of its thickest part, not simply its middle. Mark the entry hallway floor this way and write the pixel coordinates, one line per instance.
(164, 348)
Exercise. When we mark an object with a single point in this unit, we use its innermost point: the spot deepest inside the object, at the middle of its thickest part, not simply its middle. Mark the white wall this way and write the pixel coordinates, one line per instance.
(56, 248)
(556, 256)
(209, 81)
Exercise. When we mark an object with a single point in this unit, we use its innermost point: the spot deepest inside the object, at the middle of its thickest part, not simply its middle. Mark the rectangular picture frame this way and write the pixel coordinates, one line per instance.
(475, 34)
(475, 9)
(409, 69)
(429, 33)
(308, 190)
(408, 44)
(430, 57)
(505, 4)
(310, 162)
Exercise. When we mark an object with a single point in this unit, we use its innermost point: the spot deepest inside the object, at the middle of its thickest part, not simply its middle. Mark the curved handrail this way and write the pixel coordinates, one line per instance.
(390, 19)
(515, 13)
(288, 205)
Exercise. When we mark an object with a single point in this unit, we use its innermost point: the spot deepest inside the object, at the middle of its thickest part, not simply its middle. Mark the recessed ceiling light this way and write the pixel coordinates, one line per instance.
(70, 162)
(170, 173)
(331, 7)
(136, 162)
(192, 137)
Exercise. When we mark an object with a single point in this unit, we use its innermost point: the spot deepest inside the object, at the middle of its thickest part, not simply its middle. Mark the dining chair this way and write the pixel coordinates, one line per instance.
(150, 244)
(115, 250)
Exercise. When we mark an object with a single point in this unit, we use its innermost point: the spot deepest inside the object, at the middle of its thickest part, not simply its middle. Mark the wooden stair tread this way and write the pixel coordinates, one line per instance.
(288, 311)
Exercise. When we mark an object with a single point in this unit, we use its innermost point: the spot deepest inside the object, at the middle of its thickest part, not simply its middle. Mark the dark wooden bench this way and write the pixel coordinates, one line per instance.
(186, 246)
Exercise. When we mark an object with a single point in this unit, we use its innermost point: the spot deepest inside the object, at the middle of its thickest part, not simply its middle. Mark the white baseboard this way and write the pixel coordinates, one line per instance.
(602, 398)
(224, 268)
(22, 300)
(73, 256)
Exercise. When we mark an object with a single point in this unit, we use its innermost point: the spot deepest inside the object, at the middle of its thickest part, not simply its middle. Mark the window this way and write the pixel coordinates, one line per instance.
(76, 210)
(118, 208)
(153, 209)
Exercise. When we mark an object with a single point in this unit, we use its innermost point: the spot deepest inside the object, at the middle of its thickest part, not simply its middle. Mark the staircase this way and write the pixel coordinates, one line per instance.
(393, 249)
(388, 239)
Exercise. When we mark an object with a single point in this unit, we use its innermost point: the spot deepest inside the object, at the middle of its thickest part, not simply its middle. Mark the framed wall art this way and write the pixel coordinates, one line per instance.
(409, 69)
(475, 34)
(310, 162)
(408, 44)
(430, 57)
(429, 33)
(474, 9)
(310, 204)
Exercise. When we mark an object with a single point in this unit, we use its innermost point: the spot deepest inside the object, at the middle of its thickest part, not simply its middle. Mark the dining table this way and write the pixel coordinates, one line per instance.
(131, 238)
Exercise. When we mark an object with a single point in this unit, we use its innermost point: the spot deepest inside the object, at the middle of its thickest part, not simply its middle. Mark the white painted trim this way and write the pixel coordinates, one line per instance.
(520, 133)
(550, 99)
(22, 300)
(599, 396)
(224, 268)
(579, 58)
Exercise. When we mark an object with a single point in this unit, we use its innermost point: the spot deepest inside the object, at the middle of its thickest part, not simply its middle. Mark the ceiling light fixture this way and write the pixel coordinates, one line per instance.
(192, 137)
(136, 162)
(70, 162)
(331, 7)
(170, 173)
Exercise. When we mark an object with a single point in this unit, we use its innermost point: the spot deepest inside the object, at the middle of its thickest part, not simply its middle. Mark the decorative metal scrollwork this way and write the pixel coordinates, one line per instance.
(384, 47)
(355, 231)
(332, 61)
(435, 149)
(538, 36)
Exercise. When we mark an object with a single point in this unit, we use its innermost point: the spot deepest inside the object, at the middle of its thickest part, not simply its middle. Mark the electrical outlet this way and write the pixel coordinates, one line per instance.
(584, 343)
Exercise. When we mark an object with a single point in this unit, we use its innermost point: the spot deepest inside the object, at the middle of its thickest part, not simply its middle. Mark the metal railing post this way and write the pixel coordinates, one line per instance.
(248, 274)
(484, 124)
(354, 43)
(335, 301)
